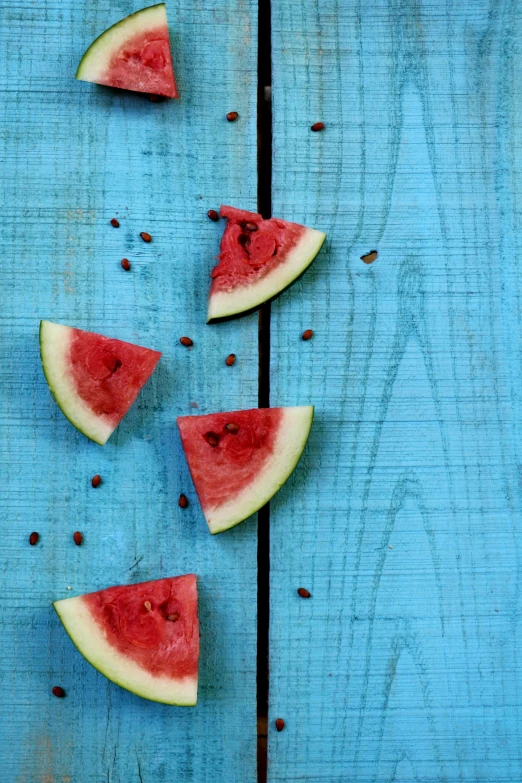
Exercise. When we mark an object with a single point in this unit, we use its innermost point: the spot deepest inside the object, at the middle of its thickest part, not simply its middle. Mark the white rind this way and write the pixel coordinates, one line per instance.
(96, 59)
(89, 638)
(226, 303)
(291, 439)
(55, 340)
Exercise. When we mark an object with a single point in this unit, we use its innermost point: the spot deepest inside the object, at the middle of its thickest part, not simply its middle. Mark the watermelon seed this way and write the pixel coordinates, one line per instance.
(78, 538)
(244, 240)
(115, 223)
(232, 428)
(279, 724)
(148, 606)
(96, 481)
(183, 502)
(33, 538)
(370, 257)
(213, 215)
(126, 264)
(173, 617)
(146, 237)
(58, 692)
(232, 116)
(212, 439)
(317, 126)
(186, 341)
(230, 360)
(156, 98)
(304, 593)
(307, 334)
(247, 226)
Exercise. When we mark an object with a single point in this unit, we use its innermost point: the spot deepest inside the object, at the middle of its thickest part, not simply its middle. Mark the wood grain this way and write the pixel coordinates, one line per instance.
(74, 156)
(403, 519)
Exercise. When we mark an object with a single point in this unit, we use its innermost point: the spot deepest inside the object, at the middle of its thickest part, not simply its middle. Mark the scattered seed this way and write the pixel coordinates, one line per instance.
(307, 334)
(78, 538)
(213, 215)
(230, 360)
(186, 341)
(279, 724)
(148, 606)
(146, 237)
(370, 257)
(232, 116)
(194, 405)
(156, 98)
(232, 428)
(304, 593)
(183, 501)
(212, 439)
(115, 223)
(96, 481)
(33, 538)
(69, 587)
(173, 617)
(125, 264)
(317, 126)
(58, 692)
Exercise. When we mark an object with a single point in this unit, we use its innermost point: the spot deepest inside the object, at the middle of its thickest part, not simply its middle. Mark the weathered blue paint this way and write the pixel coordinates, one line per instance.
(75, 155)
(403, 519)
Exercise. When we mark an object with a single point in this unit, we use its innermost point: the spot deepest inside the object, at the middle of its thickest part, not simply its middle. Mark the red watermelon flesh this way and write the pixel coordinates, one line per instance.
(251, 248)
(159, 645)
(143, 64)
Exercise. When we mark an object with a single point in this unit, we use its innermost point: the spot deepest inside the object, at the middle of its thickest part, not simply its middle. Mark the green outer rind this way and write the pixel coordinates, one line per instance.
(224, 304)
(67, 607)
(291, 441)
(78, 413)
(98, 55)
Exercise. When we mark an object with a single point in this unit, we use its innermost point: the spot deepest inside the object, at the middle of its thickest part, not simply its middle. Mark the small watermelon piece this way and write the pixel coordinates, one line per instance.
(133, 54)
(94, 379)
(239, 460)
(258, 259)
(143, 637)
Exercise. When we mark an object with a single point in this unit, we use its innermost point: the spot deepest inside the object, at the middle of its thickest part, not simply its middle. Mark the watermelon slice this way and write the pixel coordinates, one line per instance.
(94, 379)
(144, 637)
(258, 259)
(239, 460)
(133, 54)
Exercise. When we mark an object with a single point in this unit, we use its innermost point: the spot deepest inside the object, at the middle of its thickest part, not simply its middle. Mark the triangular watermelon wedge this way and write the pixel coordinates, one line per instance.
(239, 460)
(94, 379)
(143, 637)
(257, 260)
(133, 54)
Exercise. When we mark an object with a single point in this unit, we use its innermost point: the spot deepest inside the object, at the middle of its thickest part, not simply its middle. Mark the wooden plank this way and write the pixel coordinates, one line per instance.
(75, 156)
(403, 519)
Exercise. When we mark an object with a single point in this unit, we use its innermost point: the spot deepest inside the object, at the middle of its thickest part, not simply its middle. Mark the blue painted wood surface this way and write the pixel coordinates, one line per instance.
(403, 519)
(75, 155)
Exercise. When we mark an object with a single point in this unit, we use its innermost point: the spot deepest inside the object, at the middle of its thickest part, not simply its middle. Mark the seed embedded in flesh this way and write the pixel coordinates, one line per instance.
(173, 617)
(231, 358)
(232, 428)
(146, 237)
(370, 257)
(148, 606)
(244, 240)
(186, 341)
(33, 538)
(317, 126)
(212, 439)
(304, 593)
(249, 226)
(77, 538)
(213, 215)
(183, 501)
(307, 334)
(115, 223)
(96, 481)
(279, 724)
(125, 264)
(232, 116)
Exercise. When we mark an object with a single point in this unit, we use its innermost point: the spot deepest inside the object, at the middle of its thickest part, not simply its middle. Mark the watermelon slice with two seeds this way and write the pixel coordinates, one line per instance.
(143, 637)
(258, 259)
(239, 460)
(133, 54)
(94, 379)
